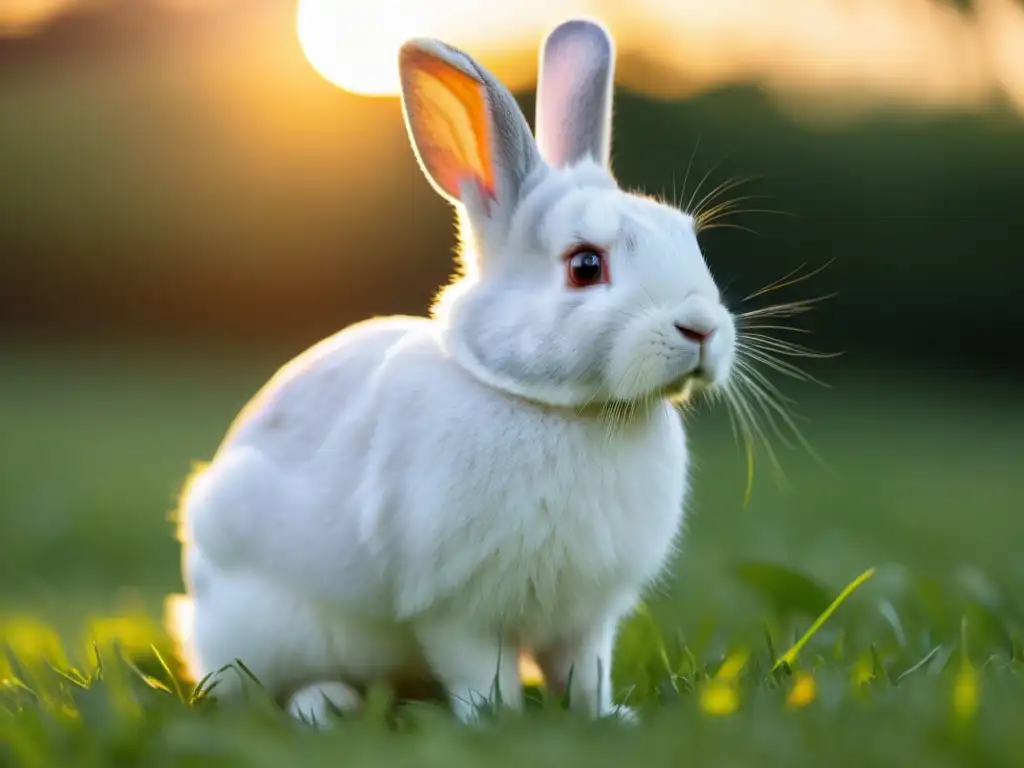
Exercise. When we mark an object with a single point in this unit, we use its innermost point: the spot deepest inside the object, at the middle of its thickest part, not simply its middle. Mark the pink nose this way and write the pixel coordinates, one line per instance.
(696, 335)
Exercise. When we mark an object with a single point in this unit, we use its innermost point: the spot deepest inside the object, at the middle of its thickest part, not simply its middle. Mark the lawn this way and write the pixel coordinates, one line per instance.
(922, 663)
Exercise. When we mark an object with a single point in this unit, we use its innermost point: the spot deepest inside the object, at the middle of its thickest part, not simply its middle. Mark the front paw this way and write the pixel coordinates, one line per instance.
(314, 704)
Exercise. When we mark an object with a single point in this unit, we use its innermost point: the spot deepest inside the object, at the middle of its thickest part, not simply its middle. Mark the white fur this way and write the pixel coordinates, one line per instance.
(412, 498)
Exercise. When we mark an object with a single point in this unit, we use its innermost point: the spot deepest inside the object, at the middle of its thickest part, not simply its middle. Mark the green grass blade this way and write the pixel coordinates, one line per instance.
(790, 655)
(171, 677)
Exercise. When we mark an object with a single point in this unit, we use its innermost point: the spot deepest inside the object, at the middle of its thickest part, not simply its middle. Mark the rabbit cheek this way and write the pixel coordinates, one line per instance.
(640, 362)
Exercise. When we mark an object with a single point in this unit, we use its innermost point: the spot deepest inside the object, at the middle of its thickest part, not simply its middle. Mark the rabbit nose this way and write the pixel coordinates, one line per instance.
(698, 334)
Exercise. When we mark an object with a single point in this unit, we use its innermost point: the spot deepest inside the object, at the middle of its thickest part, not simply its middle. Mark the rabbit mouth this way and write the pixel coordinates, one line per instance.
(682, 388)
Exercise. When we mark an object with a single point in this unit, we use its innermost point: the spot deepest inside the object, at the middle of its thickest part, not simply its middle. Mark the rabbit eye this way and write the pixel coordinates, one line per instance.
(586, 266)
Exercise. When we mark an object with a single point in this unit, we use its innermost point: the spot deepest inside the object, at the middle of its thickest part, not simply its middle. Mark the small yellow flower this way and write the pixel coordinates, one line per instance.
(803, 691)
(965, 691)
(719, 698)
(719, 695)
(733, 665)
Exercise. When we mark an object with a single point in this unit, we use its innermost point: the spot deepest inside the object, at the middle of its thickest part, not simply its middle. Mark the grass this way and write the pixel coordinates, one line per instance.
(921, 663)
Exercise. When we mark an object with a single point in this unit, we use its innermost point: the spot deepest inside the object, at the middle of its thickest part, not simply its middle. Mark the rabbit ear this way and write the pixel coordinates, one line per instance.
(464, 125)
(574, 93)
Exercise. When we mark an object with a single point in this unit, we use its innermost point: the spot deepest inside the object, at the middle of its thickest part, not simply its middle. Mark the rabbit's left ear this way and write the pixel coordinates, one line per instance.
(574, 93)
(469, 135)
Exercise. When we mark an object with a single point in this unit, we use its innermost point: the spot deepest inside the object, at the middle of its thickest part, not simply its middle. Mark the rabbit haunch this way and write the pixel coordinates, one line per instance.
(420, 498)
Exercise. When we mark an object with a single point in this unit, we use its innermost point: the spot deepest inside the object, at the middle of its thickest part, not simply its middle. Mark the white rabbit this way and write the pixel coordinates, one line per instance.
(420, 498)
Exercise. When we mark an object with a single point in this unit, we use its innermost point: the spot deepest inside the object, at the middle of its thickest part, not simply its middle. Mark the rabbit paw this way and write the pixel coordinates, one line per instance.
(314, 703)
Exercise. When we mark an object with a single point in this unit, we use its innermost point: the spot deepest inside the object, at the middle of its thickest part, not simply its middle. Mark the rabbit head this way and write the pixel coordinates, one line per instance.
(571, 291)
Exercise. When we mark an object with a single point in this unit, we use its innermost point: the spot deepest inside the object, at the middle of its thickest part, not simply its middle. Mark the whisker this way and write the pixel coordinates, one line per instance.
(617, 410)
(593, 395)
(788, 348)
(750, 370)
(718, 394)
(686, 175)
(734, 210)
(782, 366)
(629, 315)
(726, 206)
(721, 189)
(729, 225)
(738, 423)
(791, 278)
(769, 359)
(785, 309)
(704, 178)
(770, 327)
(762, 399)
(755, 403)
(755, 431)
(766, 400)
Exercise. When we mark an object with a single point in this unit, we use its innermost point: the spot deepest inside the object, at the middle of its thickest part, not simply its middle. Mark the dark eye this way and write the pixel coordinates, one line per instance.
(586, 267)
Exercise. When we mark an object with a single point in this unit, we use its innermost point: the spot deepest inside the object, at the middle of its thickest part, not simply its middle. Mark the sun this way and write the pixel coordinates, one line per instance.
(354, 43)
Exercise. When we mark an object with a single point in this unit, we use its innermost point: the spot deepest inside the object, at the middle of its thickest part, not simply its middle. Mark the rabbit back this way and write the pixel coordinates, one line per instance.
(278, 497)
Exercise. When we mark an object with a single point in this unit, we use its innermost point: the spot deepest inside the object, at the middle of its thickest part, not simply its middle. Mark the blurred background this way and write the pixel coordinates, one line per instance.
(193, 191)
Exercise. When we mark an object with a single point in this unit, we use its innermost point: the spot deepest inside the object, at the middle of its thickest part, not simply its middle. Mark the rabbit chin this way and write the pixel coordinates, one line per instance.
(678, 391)
(685, 388)
(661, 372)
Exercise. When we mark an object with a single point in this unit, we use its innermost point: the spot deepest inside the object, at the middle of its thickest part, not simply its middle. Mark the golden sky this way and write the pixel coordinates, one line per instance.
(917, 52)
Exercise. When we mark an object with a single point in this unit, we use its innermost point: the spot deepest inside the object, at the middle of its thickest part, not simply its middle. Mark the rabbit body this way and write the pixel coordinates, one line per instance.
(412, 526)
(421, 498)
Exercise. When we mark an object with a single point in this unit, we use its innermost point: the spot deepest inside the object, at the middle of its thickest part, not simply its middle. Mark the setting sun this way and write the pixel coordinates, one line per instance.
(872, 52)
(354, 44)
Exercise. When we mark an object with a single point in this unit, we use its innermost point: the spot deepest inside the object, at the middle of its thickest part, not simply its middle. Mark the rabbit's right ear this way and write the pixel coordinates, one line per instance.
(465, 126)
(574, 93)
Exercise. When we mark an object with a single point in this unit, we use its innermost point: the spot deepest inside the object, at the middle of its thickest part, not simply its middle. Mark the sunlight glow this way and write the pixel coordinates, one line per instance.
(190, 6)
(529, 672)
(179, 621)
(822, 59)
(848, 56)
(23, 17)
(354, 44)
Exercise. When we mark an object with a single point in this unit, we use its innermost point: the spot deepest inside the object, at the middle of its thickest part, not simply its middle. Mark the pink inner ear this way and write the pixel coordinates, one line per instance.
(452, 126)
(571, 108)
(559, 81)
